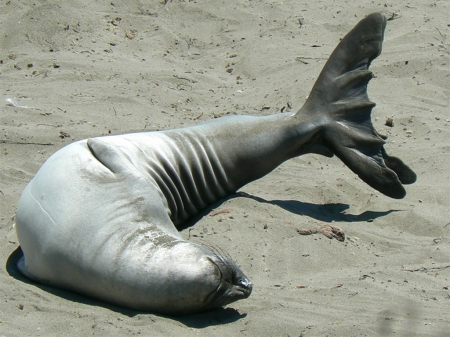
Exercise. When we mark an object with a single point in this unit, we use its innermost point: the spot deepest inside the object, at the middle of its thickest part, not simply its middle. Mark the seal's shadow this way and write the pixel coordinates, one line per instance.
(326, 212)
(201, 320)
(322, 212)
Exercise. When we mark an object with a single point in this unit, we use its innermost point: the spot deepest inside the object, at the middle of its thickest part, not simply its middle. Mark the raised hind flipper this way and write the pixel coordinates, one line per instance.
(339, 98)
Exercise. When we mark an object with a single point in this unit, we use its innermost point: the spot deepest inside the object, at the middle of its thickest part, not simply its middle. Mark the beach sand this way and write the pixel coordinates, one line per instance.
(76, 69)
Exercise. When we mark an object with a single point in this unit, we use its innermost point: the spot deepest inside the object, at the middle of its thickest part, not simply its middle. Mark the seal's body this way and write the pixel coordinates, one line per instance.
(101, 215)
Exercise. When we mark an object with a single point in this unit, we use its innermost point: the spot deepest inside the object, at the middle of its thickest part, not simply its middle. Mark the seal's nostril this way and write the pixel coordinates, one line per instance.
(246, 284)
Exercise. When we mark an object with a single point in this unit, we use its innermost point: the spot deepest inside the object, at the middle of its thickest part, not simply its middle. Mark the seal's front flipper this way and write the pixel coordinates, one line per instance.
(109, 155)
(339, 99)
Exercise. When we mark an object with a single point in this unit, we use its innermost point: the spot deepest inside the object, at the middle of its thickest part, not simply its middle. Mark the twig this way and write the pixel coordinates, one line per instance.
(426, 269)
(185, 79)
(302, 59)
(221, 211)
(444, 48)
(5, 141)
(195, 118)
(55, 126)
(393, 16)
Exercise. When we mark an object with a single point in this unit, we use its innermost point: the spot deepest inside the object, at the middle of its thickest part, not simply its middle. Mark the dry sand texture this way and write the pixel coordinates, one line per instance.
(76, 69)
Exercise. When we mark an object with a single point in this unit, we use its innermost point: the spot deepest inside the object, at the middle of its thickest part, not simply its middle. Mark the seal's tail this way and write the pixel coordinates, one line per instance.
(339, 98)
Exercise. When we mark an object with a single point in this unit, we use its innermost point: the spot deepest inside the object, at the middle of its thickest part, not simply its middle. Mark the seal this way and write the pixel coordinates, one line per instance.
(101, 215)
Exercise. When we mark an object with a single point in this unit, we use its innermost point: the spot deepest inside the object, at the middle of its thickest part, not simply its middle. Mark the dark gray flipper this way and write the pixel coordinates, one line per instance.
(340, 98)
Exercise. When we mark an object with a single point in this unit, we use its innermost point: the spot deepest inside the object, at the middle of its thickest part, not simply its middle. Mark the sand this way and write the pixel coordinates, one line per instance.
(76, 69)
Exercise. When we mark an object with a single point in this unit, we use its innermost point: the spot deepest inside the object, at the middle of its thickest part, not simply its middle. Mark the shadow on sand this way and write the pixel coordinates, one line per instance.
(325, 212)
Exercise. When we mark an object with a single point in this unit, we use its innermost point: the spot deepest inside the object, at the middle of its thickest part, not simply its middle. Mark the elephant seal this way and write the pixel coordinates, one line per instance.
(101, 215)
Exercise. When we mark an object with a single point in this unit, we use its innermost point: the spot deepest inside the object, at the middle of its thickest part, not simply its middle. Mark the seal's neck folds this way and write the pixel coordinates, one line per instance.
(214, 159)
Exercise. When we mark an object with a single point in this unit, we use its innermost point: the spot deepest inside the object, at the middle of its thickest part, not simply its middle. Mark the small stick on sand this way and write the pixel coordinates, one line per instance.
(221, 211)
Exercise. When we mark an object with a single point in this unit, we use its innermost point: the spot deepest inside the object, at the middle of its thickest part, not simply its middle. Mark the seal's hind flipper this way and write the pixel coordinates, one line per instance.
(404, 173)
(339, 98)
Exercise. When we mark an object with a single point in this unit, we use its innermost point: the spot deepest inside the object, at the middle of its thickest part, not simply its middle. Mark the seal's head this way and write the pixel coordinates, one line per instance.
(194, 278)
(233, 284)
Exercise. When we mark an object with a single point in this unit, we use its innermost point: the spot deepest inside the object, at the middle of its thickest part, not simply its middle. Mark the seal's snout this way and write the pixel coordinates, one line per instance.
(246, 287)
(243, 284)
(246, 284)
